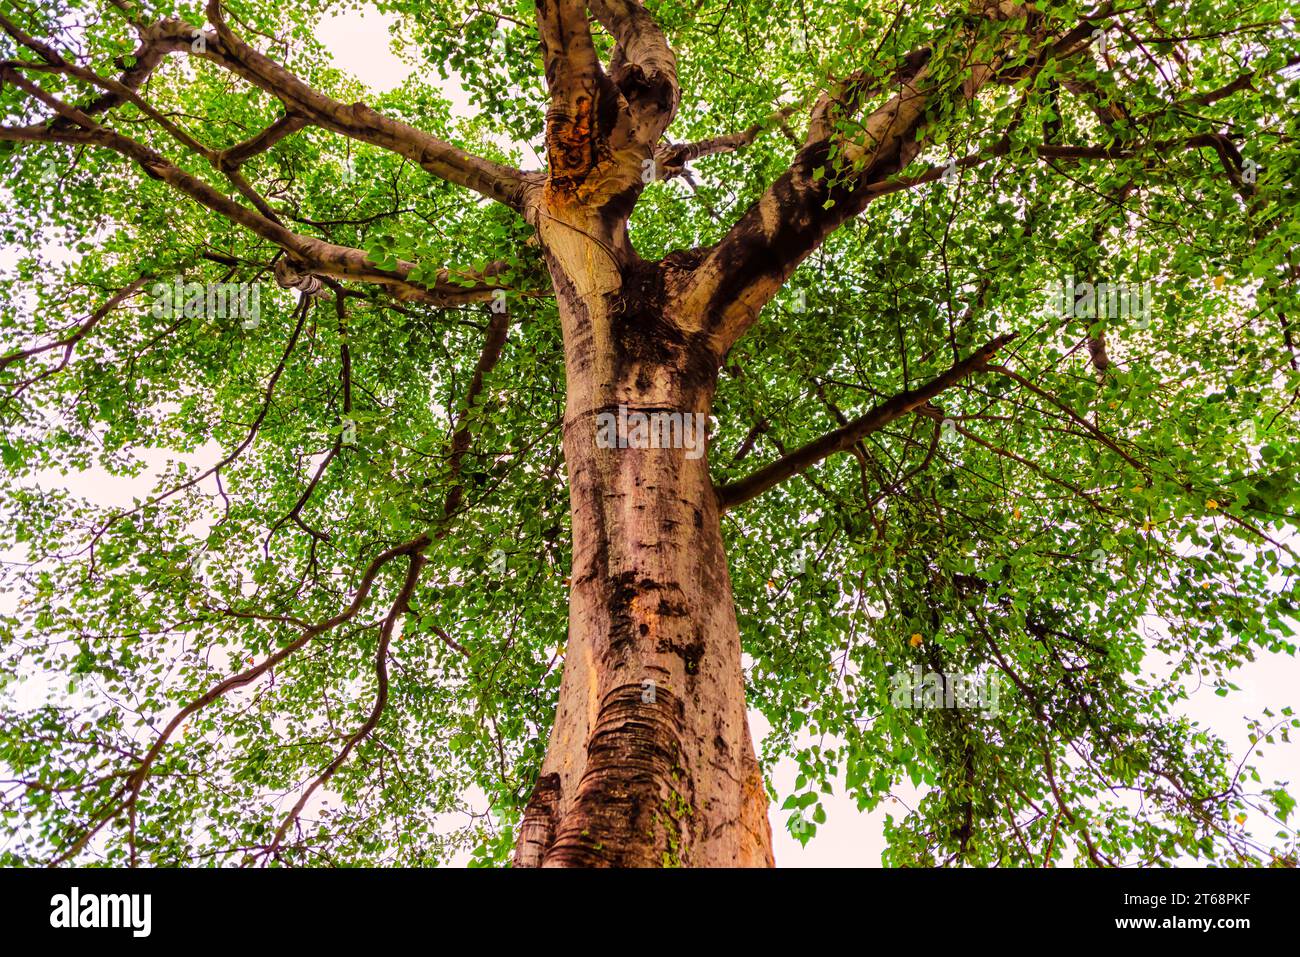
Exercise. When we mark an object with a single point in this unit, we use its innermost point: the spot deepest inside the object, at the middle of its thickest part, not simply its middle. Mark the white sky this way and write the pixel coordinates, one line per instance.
(360, 43)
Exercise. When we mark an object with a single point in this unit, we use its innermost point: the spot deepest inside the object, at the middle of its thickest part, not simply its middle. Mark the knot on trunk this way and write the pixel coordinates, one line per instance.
(293, 275)
(634, 802)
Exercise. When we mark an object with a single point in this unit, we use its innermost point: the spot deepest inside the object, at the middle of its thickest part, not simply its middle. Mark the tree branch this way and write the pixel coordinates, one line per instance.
(585, 105)
(498, 328)
(240, 153)
(671, 159)
(358, 121)
(844, 438)
(502, 183)
(310, 255)
(643, 66)
(834, 176)
(137, 778)
(69, 342)
(399, 607)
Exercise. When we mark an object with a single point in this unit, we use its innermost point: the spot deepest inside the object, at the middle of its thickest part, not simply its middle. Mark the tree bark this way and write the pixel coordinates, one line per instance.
(650, 761)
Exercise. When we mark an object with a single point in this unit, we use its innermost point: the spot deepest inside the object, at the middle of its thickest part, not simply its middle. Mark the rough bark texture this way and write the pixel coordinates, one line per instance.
(650, 761)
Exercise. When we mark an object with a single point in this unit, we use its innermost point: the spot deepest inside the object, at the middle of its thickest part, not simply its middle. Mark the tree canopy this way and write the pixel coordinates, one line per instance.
(334, 633)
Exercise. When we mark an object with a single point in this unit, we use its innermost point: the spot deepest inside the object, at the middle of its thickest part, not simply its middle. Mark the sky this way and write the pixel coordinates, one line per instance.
(361, 45)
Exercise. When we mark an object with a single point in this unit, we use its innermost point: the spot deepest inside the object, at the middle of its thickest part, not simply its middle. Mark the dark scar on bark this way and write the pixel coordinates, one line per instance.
(690, 653)
(623, 589)
(645, 338)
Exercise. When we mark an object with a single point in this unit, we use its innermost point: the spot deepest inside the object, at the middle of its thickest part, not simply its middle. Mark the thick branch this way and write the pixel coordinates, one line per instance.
(644, 67)
(311, 255)
(835, 176)
(585, 108)
(494, 180)
(497, 181)
(241, 153)
(844, 438)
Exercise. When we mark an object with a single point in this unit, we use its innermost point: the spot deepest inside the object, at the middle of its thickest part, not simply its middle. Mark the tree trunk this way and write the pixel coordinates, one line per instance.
(650, 761)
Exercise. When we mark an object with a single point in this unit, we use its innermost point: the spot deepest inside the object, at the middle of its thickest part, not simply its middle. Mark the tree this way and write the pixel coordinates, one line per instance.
(985, 307)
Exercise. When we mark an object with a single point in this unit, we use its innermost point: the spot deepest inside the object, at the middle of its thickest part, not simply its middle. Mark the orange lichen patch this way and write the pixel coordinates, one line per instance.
(570, 145)
(645, 611)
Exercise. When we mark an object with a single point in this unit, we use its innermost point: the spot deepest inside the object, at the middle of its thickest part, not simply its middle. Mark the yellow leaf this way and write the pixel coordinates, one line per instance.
(915, 640)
